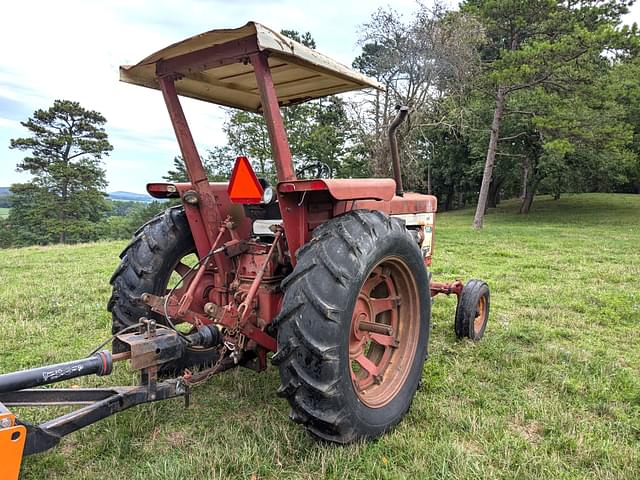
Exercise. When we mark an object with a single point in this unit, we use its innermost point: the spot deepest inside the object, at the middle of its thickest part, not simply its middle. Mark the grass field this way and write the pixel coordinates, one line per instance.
(4, 212)
(551, 392)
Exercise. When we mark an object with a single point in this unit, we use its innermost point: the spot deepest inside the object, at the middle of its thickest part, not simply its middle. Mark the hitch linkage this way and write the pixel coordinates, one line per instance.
(148, 349)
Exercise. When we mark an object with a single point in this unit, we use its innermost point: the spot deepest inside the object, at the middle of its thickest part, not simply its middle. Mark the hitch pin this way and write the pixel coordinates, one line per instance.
(118, 357)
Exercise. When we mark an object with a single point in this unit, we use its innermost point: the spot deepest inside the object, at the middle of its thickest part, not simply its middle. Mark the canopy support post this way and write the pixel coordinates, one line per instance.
(273, 118)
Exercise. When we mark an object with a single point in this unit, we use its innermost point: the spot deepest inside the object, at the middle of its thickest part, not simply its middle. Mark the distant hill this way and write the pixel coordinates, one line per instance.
(122, 196)
(130, 196)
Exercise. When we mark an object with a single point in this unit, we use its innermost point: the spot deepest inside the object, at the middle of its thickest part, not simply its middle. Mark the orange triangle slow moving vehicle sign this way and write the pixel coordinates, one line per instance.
(244, 186)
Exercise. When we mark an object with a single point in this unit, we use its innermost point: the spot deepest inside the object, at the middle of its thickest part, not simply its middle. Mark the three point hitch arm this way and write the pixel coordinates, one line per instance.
(147, 349)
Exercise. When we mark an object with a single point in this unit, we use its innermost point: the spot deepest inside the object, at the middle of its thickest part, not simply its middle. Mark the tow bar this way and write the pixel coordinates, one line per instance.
(147, 349)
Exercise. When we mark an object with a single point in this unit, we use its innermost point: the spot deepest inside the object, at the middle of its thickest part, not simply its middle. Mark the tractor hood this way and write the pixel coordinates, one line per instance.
(213, 67)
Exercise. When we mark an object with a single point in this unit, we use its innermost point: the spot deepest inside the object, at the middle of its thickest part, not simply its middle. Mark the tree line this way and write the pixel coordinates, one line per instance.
(508, 99)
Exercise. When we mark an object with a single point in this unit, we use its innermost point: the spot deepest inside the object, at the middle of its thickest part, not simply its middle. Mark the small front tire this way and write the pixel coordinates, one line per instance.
(472, 312)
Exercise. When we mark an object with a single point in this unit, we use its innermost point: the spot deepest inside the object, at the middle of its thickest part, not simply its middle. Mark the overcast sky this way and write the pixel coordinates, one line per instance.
(72, 49)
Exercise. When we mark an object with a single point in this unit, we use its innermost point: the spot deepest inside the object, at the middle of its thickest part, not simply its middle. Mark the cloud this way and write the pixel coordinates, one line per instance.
(73, 49)
(7, 122)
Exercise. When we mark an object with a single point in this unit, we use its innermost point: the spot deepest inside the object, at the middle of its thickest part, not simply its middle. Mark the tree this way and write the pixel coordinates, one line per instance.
(575, 142)
(624, 80)
(247, 135)
(124, 223)
(548, 45)
(317, 131)
(218, 165)
(65, 199)
(425, 63)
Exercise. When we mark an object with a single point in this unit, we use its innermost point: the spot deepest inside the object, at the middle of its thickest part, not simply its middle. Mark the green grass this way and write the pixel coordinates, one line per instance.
(551, 392)
(4, 212)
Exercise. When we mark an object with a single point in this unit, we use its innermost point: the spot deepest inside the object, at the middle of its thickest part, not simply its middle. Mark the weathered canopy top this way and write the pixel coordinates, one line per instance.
(213, 67)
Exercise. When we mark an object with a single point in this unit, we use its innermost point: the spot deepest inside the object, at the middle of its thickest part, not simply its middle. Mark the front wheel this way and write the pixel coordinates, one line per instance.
(472, 312)
(354, 327)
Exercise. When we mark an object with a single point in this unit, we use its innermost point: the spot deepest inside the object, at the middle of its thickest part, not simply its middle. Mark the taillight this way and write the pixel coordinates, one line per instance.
(162, 190)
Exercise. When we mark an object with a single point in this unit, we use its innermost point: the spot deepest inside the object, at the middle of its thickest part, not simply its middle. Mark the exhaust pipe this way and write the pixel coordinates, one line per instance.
(403, 111)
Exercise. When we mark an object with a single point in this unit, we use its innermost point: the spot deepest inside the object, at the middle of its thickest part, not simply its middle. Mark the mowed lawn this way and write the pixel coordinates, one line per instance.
(4, 212)
(552, 391)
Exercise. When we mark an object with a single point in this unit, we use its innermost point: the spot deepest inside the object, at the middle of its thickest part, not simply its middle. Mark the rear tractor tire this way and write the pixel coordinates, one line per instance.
(472, 312)
(354, 327)
(147, 264)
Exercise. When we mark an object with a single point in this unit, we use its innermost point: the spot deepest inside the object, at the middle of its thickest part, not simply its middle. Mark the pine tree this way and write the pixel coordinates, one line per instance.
(65, 199)
(552, 45)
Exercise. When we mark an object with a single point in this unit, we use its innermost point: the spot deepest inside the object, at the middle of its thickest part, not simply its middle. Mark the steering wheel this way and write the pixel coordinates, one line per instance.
(314, 170)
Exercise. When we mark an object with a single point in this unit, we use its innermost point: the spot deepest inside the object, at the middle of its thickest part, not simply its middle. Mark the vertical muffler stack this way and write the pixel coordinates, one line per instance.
(393, 146)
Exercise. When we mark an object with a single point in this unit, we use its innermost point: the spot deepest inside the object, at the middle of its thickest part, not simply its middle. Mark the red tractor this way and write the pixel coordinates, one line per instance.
(329, 275)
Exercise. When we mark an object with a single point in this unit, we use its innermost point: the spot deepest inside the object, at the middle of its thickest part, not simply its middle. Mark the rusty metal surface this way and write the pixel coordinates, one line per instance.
(393, 148)
(186, 299)
(446, 288)
(170, 307)
(409, 203)
(246, 307)
(345, 189)
(273, 118)
(148, 351)
(193, 162)
(239, 290)
(383, 336)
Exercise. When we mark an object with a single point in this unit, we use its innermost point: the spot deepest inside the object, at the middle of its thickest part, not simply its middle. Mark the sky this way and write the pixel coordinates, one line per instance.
(71, 49)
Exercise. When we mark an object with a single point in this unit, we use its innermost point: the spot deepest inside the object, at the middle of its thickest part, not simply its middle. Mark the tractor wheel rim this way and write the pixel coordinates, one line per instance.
(481, 314)
(384, 332)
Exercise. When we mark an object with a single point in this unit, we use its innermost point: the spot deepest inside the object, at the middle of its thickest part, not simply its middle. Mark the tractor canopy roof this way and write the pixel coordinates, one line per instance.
(214, 67)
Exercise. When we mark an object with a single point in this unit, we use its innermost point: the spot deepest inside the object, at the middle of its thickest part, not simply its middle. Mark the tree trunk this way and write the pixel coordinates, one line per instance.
(378, 123)
(525, 177)
(65, 191)
(62, 216)
(525, 206)
(429, 177)
(491, 158)
(494, 192)
(448, 202)
(461, 200)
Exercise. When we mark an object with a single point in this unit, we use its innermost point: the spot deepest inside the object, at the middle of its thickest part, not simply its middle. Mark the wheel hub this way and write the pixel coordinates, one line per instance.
(481, 311)
(384, 332)
(361, 313)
